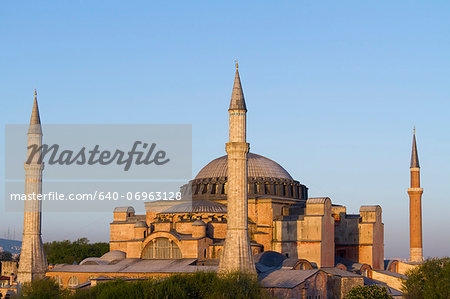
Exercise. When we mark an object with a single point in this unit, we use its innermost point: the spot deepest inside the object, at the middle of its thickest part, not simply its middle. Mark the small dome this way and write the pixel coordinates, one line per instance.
(270, 258)
(199, 223)
(94, 261)
(114, 255)
(258, 167)
(141, 224)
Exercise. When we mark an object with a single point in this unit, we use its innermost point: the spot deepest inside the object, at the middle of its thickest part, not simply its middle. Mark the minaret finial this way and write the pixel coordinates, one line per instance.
(35, 118)
(414, 154)
(237, 96)
(236, 62)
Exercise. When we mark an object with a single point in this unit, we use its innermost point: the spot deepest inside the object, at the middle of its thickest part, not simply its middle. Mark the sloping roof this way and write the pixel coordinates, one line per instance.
(137, 266)
(286, 278)
(339, 272)
(390, 273)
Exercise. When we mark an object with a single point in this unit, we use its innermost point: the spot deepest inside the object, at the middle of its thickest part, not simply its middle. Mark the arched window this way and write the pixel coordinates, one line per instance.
(73, 281)
(161, 248)
(58, 280)
(197, 188)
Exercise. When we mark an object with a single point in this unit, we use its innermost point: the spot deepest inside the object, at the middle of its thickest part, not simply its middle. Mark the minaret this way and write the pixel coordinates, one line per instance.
(33, 263)
(415, 207)
(237, 253)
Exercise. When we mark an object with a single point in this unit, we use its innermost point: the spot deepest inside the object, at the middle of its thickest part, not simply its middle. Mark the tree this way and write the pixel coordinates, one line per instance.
(43, 288)
(202, 285)
(6, 256)
(429, 280)
(368, 292)
(66, 252)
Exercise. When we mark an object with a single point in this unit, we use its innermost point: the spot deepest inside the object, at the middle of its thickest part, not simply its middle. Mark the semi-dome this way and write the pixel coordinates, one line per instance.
(114, 255)
(258, 167)
(197, 206)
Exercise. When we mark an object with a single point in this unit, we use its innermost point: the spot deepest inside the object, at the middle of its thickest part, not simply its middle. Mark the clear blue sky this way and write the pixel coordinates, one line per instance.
(333, 89)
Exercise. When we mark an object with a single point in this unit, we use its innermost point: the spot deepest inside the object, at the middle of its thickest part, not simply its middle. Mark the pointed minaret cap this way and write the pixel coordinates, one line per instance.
(35, 121)
(237, 96)
(414, 155)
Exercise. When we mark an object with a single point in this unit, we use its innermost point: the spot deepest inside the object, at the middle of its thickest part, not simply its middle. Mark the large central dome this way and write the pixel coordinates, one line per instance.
(258, 167)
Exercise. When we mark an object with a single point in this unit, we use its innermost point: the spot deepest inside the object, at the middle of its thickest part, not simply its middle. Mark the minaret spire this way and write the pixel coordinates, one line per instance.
(237, 253)
(237, 97)
(415, 206)
(35, 118)
(33, 263)
(414, 154)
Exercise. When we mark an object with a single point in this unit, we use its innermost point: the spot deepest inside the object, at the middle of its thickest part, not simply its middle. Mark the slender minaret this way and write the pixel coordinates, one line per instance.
(415, 207)
(237, 253)
(33, 263)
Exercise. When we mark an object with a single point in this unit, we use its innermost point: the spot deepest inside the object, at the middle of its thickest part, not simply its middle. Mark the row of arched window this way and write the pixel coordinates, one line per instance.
(285, 190)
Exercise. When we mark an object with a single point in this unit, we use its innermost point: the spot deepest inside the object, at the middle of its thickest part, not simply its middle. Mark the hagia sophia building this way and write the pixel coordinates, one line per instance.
(281, 218)
(248, 210)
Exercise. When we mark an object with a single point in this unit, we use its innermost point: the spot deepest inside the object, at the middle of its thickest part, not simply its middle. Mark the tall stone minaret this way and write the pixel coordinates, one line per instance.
(237, 253)
(415, 207)
(33, 263)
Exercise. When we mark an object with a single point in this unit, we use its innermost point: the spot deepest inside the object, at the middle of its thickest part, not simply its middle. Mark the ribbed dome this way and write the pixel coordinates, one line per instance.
(258, 166)
(197, 206)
